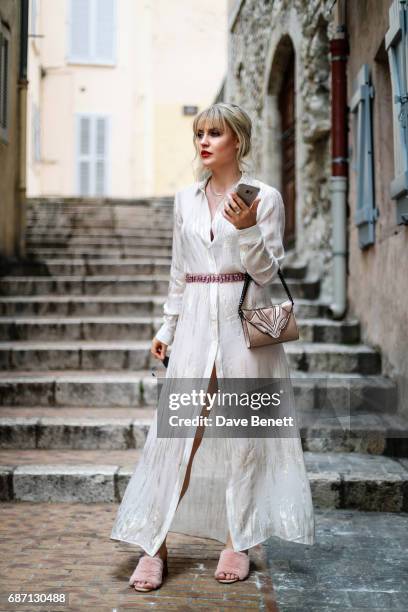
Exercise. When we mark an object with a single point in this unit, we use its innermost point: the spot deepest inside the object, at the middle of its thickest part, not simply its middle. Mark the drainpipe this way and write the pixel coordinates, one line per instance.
(339, 178)
(22, 127)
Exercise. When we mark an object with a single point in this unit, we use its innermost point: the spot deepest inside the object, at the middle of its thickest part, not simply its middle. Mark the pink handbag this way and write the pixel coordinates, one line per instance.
(270, 325)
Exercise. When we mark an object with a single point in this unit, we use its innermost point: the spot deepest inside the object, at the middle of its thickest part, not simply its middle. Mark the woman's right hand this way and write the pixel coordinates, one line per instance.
(158, 349)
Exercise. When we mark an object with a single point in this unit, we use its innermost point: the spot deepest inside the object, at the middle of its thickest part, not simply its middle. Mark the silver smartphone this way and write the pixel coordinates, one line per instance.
(248, 193)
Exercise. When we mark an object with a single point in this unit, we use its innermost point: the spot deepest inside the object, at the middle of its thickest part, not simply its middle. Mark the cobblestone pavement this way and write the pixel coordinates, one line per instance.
(67, 547)
(359, 562)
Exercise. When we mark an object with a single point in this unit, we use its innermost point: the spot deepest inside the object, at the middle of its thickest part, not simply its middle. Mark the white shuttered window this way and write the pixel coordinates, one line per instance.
(36, 133)
(92, 28)
(396, 44)
(93, 132)
(33, 16)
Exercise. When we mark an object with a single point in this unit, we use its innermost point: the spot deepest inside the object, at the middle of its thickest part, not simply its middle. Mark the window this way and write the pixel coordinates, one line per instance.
(92, 31)
(361, 107)
(93, 132)
(4, 81)
(396, 44)
(36, 133)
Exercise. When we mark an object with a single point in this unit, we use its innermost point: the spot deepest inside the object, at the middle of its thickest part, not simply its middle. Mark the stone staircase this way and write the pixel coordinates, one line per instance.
(76, 390)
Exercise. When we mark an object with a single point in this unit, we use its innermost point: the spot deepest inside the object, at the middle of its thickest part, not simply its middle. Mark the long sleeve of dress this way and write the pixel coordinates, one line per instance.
(172, 305)
(261, 245)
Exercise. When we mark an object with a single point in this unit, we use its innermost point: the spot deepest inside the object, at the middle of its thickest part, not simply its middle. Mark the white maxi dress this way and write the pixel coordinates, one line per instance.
(254, 488)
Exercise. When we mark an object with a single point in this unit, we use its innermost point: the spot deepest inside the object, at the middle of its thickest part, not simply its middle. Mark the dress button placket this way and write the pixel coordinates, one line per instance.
(213, 299)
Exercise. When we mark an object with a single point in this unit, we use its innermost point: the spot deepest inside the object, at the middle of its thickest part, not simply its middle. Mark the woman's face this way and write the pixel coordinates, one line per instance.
(217, 146)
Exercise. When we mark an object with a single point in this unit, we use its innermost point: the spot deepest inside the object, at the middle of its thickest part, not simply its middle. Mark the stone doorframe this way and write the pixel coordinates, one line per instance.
(284, 38)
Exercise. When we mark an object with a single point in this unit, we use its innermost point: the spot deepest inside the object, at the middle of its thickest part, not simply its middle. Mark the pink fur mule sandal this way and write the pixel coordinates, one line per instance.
(150, 569)
(232, 562)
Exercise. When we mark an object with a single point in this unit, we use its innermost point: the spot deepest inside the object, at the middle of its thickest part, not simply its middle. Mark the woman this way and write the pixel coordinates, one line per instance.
(242, 490)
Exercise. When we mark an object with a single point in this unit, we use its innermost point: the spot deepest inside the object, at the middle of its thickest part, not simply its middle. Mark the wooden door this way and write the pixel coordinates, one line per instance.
(286, 101)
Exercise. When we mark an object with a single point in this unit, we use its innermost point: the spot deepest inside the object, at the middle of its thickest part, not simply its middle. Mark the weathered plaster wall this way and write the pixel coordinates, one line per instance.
(10, 204)
(378, 281)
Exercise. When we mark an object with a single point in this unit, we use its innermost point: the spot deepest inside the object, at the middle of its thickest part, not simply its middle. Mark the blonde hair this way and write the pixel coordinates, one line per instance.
(217, 116)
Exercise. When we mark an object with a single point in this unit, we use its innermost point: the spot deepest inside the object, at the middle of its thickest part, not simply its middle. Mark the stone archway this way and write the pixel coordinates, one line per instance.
(280, 132)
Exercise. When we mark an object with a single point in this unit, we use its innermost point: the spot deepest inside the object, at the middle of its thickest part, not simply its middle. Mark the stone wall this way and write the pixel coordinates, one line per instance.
(261, 34)
(378, 280)
(11, 202)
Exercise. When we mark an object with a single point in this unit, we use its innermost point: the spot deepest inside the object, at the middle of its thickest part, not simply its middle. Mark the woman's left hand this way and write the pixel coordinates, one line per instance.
(238, 213)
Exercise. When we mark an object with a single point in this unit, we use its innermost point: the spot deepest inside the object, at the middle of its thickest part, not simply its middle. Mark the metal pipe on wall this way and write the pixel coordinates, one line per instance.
(339, 179)
(22, 127)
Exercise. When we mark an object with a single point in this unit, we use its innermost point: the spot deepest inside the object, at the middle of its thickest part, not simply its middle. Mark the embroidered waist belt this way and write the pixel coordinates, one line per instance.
(215, 278)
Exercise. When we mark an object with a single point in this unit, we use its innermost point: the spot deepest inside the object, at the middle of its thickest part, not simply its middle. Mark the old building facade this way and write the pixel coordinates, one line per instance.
(113, 94)
(378, 196)
(13, 87)
(280, 70)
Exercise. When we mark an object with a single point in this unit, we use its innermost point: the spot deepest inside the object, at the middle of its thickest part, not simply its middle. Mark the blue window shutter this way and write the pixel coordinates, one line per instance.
(396, 44)
(360, 105)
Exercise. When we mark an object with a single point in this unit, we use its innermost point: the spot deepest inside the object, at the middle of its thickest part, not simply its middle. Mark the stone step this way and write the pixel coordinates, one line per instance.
(89, 285)
(160, 227)
(98, 204)
(144, 328)
(43, 232)
(338, 480)
(105, 305)
(75, 202)
(91, 242)
(90, 429)
(104, 210)
(83, 221)
(375, 434)
(50, 329)
(78, 388)
(138, 387)
(311, 357)
(105, 215)
(88, 267)
(121, 285)
(110, 266)
(62, 252)
(74, 428)
(79, 305)
(71, 223)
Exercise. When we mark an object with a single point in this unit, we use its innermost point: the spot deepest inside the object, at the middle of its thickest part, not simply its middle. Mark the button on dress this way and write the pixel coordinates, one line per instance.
(254, 488)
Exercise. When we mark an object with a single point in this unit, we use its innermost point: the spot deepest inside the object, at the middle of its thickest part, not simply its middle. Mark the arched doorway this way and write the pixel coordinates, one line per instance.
(280, 131)
(286, 105)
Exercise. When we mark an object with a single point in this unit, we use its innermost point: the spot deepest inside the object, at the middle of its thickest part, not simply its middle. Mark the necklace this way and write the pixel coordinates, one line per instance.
(214, 192)
(218, 195)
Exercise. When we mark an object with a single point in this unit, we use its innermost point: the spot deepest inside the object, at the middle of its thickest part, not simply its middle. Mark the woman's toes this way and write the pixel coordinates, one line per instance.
(224, 576)
(143, 584)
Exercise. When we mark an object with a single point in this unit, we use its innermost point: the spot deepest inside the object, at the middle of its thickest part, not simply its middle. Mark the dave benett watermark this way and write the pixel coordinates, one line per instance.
(237, 408)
